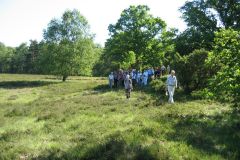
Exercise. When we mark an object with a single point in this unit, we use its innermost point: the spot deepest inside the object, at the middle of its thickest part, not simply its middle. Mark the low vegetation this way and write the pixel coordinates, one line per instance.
(44, 118)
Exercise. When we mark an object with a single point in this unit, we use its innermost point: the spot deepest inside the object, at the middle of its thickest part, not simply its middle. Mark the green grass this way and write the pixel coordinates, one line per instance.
(44, 118)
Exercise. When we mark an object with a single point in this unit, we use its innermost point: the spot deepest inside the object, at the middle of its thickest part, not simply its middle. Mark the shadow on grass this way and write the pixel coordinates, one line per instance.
(103, 88)
(115, 147)
(219, 134)
(23, 84)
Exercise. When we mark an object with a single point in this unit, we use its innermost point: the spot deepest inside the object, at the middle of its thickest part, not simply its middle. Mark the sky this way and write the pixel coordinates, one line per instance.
(22, 20)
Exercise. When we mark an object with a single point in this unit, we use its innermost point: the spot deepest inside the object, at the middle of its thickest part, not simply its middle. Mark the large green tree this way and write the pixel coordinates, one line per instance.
(228, 12)
(68, 48)
(133, 38)
(203, 18)
(201, 23)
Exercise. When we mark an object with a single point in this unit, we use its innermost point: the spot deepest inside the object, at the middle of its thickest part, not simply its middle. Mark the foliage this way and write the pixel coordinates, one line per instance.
(228, 12)
(192, 72)
(201, 27)
(6, 54)
(69, 49)
(225, 57)
(18, 60)
(202, 94)
(159, 85)
(135, 32)
(31, 62)
(203, 19)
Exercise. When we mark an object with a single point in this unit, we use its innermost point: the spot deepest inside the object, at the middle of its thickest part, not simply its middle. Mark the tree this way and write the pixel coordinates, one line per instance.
(225, 56)
(192, 71)
(133, 36)
(204, 17)
(6, 54)
(18, 60)
(69, 49)
(31, 61)
(202, 24)
(228, 12)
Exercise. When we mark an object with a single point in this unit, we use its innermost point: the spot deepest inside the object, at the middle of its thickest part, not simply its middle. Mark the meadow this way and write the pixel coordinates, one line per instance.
(43, 118)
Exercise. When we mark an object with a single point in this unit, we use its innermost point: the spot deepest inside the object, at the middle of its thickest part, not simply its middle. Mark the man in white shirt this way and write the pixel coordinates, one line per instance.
(171, 84)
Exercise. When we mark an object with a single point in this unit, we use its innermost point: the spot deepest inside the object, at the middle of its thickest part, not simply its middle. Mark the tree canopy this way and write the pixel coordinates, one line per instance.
(69, 48)
(133, 36)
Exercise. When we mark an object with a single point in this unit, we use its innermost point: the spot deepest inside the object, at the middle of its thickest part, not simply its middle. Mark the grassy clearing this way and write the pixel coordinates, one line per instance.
(43, 118)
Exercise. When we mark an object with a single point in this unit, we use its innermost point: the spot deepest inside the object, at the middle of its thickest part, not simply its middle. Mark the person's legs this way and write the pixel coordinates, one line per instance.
(170, 92)
(109, 82)
(115, 83)
(145, 81)
(173, 93)
(128, 93)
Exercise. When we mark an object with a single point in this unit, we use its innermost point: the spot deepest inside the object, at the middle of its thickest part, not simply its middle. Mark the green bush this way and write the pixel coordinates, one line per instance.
(202, 94)
(192, 72)
(159, 85)
(225, 56)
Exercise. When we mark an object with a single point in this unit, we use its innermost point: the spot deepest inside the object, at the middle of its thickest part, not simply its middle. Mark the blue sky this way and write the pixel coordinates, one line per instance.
(22, 20)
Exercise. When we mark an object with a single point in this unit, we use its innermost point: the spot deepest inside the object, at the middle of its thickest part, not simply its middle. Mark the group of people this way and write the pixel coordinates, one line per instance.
(131, 78)
(138, 77)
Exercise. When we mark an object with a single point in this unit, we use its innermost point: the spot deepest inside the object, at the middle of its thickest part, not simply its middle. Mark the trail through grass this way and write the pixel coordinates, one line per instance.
(44, 118)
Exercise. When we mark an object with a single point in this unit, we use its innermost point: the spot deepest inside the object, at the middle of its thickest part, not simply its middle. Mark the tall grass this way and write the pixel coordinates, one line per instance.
(43, 118)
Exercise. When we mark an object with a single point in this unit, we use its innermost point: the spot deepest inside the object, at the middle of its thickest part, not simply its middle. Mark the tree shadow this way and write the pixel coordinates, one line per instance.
(23, 84)
(115, 147)
(218, 134)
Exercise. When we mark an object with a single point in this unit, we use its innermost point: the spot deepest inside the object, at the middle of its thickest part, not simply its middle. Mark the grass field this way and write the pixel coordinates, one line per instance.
(44, 118)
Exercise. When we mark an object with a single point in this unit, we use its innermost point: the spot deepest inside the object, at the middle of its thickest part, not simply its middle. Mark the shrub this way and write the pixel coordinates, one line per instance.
(159, 85)
(202, 94)
(225, 56)
(192, 72)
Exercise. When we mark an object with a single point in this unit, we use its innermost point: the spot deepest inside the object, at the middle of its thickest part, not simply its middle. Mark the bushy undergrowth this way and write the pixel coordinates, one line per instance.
(159, 85)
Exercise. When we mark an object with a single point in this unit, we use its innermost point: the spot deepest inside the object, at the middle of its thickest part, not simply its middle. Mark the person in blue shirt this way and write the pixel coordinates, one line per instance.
(171, 85)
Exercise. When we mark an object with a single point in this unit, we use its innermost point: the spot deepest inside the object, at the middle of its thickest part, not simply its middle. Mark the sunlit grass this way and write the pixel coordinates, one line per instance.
(44, 118)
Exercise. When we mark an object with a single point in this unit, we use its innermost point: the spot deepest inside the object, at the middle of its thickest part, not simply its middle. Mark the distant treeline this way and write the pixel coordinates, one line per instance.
(34, 58)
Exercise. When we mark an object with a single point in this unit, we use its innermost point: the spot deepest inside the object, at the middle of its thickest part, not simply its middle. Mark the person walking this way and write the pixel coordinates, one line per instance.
(171, 85)
(128, 86)
(115, 75)
(111, 79)
(145, 77)
(139, 76)
(163, 69)
(168, 69)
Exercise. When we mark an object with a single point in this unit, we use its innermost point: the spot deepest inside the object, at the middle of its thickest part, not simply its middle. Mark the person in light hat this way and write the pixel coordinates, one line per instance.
(128, 86)
(171, 85)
